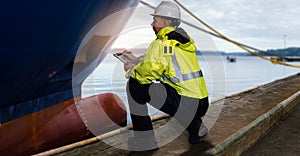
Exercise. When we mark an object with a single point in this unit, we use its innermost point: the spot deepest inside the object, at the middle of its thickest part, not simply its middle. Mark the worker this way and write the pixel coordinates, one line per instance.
(167, 77)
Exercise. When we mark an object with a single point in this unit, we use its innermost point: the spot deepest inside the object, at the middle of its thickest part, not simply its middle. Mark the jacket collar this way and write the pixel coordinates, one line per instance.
(189, 46)
(162, 32)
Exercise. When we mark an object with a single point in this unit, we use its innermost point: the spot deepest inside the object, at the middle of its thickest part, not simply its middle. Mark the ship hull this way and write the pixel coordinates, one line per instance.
(43, 69)
(61, 124)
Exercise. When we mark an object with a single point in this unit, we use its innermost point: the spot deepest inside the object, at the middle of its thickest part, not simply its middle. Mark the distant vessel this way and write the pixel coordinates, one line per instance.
(39, 89)
(231, 59)
(292, 59)
(286, 58)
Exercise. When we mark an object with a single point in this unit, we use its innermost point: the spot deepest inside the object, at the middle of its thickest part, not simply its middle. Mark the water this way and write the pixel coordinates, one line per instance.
(223, 78)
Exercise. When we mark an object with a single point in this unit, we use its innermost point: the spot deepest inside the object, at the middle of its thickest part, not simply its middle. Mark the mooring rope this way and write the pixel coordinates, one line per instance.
(220, 35)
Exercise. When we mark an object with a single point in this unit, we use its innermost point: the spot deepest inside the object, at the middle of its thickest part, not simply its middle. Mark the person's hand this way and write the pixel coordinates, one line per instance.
(128, 66)
(129, 57)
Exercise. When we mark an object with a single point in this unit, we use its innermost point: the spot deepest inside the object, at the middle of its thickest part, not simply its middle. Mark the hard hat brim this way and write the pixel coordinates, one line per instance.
(165, 17)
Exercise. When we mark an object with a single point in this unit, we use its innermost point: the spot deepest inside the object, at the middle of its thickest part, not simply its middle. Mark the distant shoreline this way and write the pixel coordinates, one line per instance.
(292, 51)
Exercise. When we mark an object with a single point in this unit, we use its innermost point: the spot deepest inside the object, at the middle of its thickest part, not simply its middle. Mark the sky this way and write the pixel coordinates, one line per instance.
(263, 24)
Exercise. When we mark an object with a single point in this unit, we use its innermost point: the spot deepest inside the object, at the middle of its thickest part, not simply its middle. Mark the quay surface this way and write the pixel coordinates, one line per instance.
(235, 123)
(282, 139)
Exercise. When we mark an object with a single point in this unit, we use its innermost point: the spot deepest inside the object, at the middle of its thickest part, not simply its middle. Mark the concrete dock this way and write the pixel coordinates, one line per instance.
(282, 139)
(235, 123)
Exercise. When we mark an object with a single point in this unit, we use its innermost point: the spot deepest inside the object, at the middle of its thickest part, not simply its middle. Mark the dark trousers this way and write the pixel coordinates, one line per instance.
(186, 110)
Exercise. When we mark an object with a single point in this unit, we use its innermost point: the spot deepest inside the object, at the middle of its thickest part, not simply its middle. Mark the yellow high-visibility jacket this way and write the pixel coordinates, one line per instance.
(173, 63)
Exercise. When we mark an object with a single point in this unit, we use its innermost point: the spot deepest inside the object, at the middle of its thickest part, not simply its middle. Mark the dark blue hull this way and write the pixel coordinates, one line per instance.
(39, 41)
(39, 47)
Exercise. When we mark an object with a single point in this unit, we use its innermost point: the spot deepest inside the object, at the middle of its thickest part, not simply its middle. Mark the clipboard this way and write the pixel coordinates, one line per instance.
(119, 57)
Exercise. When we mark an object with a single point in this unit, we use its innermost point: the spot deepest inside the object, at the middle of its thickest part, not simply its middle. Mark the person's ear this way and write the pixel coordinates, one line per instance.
(166, 23)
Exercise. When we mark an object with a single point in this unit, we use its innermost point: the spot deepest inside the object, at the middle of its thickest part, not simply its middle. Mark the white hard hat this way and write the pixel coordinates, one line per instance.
(167, 9)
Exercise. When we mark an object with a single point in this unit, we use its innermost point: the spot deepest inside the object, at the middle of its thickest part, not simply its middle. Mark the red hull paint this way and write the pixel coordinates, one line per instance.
(61, 124)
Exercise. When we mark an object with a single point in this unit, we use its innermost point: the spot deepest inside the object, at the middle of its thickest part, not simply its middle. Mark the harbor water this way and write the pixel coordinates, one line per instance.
(223, 78)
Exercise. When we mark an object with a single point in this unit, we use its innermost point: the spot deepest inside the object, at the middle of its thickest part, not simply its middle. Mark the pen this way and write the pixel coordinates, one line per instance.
(119, 54)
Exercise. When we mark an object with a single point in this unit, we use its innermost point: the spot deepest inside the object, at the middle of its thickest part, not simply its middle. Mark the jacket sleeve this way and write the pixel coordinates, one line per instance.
(152, 65)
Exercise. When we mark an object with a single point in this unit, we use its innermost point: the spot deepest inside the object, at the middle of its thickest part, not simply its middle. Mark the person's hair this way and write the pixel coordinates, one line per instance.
(173, 21)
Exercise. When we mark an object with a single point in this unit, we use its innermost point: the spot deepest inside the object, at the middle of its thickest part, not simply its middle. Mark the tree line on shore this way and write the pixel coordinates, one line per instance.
(292, 51)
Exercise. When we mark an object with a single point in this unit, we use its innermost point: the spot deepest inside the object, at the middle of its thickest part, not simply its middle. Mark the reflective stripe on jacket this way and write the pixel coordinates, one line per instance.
(173, 63)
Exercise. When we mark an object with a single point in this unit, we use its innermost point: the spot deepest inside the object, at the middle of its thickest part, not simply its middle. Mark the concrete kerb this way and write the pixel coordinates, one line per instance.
(245, 137)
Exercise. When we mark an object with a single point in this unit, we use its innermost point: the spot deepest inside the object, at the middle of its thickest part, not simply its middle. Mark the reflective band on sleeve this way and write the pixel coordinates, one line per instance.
(184, 77)
(179, 76)
(192, 75)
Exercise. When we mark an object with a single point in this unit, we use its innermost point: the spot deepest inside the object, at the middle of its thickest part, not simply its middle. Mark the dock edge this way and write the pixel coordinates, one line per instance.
(245, 137)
